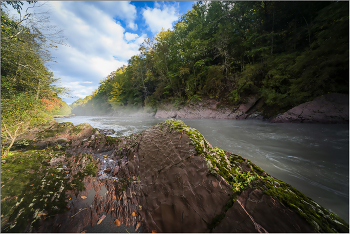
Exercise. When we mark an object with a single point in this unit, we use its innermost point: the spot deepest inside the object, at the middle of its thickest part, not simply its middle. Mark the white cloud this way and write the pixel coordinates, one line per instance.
(118, 9)
(79, 90)
(160, 17)
(105, 67)
(97, 43)
(130, 36)
(132, 26)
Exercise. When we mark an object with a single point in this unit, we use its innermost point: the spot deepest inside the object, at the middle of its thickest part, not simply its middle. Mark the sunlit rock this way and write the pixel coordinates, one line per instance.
(329, 108)
(185, 185)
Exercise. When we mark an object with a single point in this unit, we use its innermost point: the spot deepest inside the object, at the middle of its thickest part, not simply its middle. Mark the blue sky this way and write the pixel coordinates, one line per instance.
(100, 36)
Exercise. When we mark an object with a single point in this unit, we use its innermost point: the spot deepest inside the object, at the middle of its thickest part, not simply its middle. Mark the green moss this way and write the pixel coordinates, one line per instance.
(30, 186)
(76, 130)
(111, 140)
(306, 207)
(90, 169)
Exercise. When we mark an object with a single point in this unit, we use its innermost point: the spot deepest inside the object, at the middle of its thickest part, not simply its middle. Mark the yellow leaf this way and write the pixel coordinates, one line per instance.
(31, 185)
(101, 219)
(83, 197)
(137, 226)
(114, 198)
(133, 214)
(117, 222)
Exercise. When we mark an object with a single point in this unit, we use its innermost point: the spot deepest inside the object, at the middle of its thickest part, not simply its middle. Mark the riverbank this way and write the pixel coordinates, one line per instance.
(63, 116)
(130, 160)
(331, 108)
(50, 185)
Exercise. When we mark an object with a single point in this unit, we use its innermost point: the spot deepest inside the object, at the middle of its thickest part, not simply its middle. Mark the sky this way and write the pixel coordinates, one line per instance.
(100, 36)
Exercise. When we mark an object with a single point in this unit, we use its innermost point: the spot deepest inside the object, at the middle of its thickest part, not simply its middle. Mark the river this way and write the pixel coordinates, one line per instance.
(314, 158)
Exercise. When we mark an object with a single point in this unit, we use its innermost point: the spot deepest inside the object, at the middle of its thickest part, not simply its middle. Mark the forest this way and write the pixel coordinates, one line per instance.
(29, 96)
(285, 52)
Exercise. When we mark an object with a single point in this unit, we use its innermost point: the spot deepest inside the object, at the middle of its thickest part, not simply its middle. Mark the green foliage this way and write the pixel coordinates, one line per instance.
(285, 52)
(28, 96)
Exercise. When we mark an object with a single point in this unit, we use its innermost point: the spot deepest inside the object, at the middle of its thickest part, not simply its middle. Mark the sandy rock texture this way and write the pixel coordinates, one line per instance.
(329, 108)
(178, 193)
(169, 178)
(186, 185)
(209, 109)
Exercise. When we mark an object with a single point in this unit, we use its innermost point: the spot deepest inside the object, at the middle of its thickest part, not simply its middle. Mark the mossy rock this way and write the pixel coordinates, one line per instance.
(242, 174)
(30, 185)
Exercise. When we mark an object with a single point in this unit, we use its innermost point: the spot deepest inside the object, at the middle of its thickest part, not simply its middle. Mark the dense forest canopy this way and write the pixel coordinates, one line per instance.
(285, 52)
(28, 94)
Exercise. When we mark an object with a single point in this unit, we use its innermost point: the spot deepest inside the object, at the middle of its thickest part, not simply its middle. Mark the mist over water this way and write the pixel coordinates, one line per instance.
(314, 158)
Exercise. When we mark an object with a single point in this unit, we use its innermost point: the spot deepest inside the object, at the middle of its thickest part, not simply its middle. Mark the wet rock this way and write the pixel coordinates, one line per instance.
(329, 108)
(106, 131)
(115, 171)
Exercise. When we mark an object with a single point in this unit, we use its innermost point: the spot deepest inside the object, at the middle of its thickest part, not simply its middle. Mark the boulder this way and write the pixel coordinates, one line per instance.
(186, 185)
(329, 108)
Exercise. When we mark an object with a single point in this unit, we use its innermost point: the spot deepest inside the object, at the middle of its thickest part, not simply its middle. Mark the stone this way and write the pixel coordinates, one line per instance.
(329, 108)
(115, 171)
(183, 192)
(210, 109)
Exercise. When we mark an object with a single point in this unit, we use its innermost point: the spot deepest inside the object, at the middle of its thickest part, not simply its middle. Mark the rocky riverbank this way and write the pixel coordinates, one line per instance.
(329, 108)
(211, 109)
(63, 116)
(166, 179)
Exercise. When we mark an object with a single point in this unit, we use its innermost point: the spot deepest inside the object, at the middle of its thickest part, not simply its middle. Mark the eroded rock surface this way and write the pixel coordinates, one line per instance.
(170, 179)
(209, 109)
(178, 193)
(329, 108)
(186, 185)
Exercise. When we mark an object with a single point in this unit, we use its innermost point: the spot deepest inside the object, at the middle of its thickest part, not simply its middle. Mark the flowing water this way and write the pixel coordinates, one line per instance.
(314, 158)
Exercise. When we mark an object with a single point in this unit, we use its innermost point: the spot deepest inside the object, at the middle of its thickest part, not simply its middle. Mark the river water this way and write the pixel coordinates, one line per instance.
(314, 158)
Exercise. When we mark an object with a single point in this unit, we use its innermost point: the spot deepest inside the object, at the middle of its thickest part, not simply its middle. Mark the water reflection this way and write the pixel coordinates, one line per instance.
(314, 158)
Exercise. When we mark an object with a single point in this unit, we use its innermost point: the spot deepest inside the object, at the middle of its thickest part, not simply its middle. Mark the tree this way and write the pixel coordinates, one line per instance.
(28, 95)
